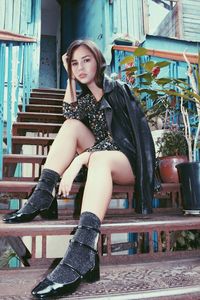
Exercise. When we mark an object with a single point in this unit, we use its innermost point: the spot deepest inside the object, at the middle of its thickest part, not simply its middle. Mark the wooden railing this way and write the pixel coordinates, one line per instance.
(15, 82)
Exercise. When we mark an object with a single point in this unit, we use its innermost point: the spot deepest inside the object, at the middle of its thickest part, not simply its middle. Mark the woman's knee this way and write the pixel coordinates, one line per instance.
(72, 124)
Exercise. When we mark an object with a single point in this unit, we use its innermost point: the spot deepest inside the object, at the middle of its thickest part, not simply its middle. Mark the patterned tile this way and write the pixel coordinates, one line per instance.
(169, 279)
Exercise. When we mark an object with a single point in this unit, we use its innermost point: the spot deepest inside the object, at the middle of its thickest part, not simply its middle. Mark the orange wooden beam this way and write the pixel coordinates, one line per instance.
(178, 56)
(10, 36)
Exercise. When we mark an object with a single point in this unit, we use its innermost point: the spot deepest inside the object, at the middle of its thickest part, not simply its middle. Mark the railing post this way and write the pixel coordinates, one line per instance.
(24, 100)
(19, 66)
(2, 75)
(9, 100)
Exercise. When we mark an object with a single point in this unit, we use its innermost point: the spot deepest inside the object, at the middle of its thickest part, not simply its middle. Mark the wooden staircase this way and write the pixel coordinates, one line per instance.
(33, 134)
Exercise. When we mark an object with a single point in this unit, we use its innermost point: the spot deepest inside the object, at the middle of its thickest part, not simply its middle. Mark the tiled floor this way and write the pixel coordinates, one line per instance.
(165, 280)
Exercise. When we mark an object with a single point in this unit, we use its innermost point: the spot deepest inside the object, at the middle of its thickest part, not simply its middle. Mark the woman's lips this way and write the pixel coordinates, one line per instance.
(82, 75)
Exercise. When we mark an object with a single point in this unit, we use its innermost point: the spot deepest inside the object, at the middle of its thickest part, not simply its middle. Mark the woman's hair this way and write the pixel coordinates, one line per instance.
(100, 60)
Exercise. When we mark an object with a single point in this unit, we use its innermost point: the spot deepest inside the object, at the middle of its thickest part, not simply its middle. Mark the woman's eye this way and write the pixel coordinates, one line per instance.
(86, 60)
(74, 64)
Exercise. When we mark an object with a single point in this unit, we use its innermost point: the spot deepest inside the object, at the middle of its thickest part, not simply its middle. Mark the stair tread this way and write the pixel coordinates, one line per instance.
(49, 90)
(51, 99)
(117, 281)
(21, 124)
(38, 114)
(31, 138)
(120, 224)
(23, 158)
(12, 155)
(41, 105)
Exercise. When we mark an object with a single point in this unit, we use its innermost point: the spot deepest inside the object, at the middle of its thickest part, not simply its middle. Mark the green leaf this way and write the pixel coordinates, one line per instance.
(163, 81)
(130, 70)
(127, 60)
(152, 92)
(140, 51)
(162, 64)
(148, 66)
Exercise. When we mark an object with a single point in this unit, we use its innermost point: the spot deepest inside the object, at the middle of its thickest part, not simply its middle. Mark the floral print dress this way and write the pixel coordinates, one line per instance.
(88, 107)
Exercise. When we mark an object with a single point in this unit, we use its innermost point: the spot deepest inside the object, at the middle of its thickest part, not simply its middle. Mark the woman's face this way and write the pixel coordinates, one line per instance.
(83, 65)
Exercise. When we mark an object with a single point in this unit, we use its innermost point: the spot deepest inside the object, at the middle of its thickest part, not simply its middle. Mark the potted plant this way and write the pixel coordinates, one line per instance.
(189, 173)
(187, 95)
(172, 150)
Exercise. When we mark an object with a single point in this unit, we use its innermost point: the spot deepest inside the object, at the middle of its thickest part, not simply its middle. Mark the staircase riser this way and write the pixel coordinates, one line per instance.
(45, 109)
(46, 101)
(49, 91)
(47, 95)
(43, 119)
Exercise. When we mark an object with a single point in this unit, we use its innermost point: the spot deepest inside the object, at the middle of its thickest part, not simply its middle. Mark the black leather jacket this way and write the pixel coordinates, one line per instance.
(130, 130)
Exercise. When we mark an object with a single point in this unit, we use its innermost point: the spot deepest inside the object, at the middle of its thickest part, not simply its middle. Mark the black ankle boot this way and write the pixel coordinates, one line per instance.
(41, 202)
(81, 261)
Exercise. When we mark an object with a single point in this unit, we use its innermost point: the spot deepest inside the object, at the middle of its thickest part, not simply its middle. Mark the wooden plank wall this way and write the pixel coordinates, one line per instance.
(191, 19)
(20, 16)
(24, 17)
(182, 22)
(127, 18)
(170, 25)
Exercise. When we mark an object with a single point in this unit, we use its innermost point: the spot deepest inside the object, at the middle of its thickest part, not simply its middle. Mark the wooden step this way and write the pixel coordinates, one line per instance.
(21, 158)
(159, 280)
(47, 95)
(159, 231)
(36, 141)
(42, 108)
(40, 117)
(170, 193)
(33, 163)
(47, 101)
(20, 128)
(49, 90)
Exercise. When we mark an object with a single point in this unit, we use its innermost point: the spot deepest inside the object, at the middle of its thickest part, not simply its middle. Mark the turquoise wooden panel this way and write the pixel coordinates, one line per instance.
(23, 20)
(16, 16)
(2, 13)
(29, 11)
(130, 18)
(47, 76)
(8, 15)
(124, 18)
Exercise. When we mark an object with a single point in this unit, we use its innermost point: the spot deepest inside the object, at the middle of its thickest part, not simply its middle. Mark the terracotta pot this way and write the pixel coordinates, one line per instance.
(167, 167)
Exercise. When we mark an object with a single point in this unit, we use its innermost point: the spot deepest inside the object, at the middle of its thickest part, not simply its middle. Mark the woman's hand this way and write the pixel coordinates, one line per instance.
(64, 60)
(65, 64)
(71, 172)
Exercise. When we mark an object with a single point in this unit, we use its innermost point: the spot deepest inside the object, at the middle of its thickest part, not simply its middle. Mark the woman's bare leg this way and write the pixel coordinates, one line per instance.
(105, 167)
(72, 137)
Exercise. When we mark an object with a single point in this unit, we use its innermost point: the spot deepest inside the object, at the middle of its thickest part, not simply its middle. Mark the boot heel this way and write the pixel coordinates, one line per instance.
(52, 212)
(94, 274)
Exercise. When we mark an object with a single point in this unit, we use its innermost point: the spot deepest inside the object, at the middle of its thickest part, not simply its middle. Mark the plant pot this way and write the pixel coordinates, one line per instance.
(189, 176)
(167, 167)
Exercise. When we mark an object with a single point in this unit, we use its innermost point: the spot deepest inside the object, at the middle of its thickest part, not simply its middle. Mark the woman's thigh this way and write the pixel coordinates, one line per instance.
(83, 135)
(118, 164)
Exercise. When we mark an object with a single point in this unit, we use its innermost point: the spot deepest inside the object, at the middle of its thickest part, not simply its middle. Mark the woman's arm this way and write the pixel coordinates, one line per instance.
(72, 171)
(70, 93)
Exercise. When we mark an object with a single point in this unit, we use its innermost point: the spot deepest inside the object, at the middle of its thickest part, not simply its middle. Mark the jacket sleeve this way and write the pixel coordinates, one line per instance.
(145, 153)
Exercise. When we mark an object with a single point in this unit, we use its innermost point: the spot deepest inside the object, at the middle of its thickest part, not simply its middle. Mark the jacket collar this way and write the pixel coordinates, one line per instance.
(108, 84)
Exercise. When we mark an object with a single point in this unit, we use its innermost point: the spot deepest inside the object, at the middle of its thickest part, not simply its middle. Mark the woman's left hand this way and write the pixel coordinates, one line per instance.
(71, 172)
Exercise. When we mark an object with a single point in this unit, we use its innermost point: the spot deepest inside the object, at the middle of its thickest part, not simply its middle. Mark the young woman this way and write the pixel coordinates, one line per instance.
(106, 131)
